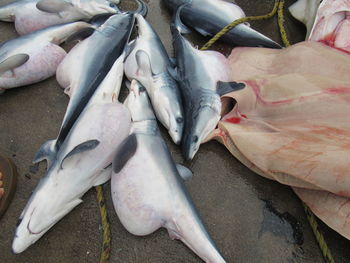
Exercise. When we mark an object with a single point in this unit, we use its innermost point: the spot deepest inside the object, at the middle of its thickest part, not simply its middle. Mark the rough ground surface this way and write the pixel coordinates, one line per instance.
(250, 218)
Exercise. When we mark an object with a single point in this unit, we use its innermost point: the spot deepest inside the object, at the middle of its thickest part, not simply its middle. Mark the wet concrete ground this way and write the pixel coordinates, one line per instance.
(250, 218)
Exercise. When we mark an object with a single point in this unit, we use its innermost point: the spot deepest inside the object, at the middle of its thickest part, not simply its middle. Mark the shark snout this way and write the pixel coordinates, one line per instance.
(190, 146)
(23, 236)
(176, 129)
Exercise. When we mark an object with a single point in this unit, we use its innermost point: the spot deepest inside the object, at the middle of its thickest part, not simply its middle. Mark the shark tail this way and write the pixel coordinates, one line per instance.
(47, 152)
(244, 35)
(7, 13)
(190, 230)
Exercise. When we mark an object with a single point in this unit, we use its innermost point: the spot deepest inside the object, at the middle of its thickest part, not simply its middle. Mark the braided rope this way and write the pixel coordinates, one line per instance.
(106, 247)
(326, 252)
(281, 22)
(240, 21)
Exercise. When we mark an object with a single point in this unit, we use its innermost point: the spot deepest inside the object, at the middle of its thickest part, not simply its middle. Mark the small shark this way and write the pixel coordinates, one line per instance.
(208, 17)
(83, 161)
(32, 15)
(202, 76)
(34, 57)
(147, 186)
(148, 63)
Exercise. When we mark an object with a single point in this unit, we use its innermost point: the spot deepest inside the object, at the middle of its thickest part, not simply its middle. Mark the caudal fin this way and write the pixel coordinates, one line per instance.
(244, 35)
(190, 230)
(7, 13)
(47, 152)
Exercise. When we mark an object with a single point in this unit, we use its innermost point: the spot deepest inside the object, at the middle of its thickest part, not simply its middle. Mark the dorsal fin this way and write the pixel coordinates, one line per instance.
(81, 34)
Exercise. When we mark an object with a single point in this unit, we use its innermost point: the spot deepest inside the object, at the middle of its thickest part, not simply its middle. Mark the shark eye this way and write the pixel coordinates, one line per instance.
(111, 5)
(195, 139)
(142, 89)
(179, 120)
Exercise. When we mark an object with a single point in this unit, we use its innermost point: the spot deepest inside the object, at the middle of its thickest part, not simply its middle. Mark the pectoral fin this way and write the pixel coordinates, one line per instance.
(124, 153)
(227, 87)
(81, 34)
(99, 20)
(143, 64)
(13, 62)
(53, 6)
(83, 147)
(185, 173)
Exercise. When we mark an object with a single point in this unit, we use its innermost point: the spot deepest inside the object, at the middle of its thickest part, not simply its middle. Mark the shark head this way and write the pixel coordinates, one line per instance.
(43, 210)
(138, 103)
(164, 93)
(167, 100)
(196, 132)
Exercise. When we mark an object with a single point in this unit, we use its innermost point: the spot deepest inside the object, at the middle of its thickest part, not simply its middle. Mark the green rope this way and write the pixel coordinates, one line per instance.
(106, 247)
(281, 24)
(240, 21)
(279, 9)
(318, 235)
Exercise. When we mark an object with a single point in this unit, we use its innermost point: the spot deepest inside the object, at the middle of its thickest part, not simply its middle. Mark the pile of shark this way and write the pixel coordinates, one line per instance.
(101, 138)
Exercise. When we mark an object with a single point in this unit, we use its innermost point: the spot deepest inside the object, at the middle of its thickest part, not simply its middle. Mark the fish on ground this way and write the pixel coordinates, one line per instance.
(83, 69)
(149, 63)
(202, 77)
(83, 161)
(32, 15)
(208, 17)
(34, 57)
(147, 186)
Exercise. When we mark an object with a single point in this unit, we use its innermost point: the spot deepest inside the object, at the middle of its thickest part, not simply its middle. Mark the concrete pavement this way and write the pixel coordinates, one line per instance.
(250, 218)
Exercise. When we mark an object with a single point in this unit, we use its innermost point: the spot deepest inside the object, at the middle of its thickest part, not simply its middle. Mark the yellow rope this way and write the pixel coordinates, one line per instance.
(240, 21)
(279, 9)
(318, 235)
(106, 247)
(281, 24)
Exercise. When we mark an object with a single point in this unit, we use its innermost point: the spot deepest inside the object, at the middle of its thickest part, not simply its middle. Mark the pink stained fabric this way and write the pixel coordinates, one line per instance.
(291, 123)
(332, 24)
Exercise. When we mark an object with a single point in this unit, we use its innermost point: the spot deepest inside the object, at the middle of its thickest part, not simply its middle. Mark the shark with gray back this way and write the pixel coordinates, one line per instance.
(148, 63)
(34, 57)
(32, 15)
(208, 17)
(147, 186)
(83, 161)
(202, 76)
(83, 69)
